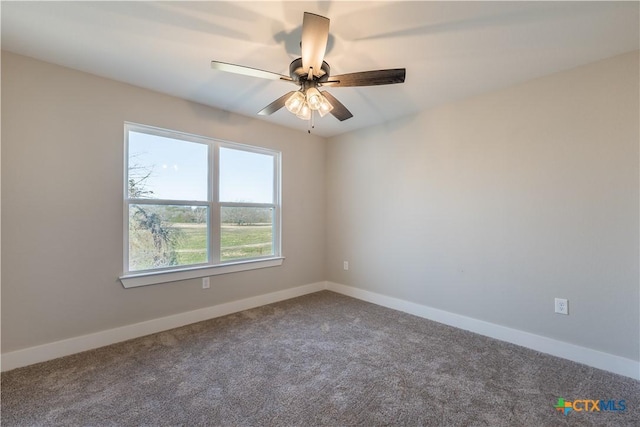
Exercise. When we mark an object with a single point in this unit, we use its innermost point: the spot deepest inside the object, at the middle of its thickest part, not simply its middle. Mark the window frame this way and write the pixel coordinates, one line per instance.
(214, 264)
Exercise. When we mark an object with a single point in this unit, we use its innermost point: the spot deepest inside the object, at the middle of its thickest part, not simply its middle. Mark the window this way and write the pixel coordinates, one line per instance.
(195, 206)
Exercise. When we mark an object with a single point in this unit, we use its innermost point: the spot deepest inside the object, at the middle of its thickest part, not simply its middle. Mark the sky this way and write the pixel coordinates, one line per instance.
(179, 170)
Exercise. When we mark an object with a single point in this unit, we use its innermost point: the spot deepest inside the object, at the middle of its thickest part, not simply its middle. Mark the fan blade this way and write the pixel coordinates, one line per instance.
(339, 111)
(275, 105)
(248, 71)
(315, 34)
(367, 78)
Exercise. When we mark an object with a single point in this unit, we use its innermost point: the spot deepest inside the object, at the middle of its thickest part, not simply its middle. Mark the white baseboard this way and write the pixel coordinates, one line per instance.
(597, 359)
(587, 356)
(49, 351)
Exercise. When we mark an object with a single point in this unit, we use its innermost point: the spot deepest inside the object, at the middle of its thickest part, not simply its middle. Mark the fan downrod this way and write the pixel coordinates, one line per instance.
(301, 77)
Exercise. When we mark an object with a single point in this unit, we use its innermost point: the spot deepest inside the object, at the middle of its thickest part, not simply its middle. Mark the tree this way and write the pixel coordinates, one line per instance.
(151, 239)
(244, 215)
(149, 227)
(138, 176)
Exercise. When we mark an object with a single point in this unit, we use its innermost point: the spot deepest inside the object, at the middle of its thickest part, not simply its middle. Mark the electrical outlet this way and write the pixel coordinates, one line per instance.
(205, 283)
(345, 265)
(562, 306)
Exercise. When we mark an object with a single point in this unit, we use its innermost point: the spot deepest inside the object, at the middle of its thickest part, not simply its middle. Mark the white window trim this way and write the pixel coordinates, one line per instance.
(170, 274)
(185, 273)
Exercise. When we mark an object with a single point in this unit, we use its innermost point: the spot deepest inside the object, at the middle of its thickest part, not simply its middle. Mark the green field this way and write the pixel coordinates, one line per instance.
(236, 242)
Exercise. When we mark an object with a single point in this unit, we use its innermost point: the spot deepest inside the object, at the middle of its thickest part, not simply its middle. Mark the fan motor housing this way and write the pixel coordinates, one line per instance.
(296, 73)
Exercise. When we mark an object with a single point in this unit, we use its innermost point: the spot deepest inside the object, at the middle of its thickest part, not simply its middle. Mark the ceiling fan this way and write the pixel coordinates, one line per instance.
(311, 72)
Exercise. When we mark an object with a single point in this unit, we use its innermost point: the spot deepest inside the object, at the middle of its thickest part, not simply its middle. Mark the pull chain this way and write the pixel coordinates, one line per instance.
(311, 123)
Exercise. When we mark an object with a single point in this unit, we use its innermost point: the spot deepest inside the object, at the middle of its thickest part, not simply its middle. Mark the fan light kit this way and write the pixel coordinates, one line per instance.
(311, 72)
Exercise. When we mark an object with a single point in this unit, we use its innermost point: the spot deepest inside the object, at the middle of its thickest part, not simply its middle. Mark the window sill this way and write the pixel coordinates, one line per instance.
(144, 279)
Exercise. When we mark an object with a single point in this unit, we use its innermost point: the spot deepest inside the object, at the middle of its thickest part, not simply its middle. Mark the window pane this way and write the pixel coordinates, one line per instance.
(245, 176)
(246, 232)
(166, 168)
(164, 236)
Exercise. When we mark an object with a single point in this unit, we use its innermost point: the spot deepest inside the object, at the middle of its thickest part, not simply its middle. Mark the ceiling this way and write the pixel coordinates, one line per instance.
(451, 50)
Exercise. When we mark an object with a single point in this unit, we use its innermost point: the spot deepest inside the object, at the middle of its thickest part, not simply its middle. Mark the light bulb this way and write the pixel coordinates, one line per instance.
(294, 103)
(314, 99)
(305, 112)
(325, 106)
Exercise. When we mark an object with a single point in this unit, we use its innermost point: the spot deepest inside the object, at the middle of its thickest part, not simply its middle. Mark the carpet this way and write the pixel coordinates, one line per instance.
(319, 360)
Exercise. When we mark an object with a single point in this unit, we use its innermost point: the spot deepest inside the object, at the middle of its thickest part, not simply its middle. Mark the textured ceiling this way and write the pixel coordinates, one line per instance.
(451, 50)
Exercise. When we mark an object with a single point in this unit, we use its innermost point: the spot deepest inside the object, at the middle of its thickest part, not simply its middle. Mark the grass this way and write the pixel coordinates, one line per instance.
(191, 245)
(236, 242)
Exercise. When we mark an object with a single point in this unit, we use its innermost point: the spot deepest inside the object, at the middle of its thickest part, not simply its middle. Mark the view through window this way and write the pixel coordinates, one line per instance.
(195, 201)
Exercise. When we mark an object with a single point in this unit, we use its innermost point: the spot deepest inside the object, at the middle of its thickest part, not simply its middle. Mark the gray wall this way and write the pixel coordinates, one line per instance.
(492, 206)
(489, 207)
(62, 172)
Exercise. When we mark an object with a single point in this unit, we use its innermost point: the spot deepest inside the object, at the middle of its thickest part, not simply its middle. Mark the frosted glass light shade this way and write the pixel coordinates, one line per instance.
(325, 107)
(305, 112)
(295, 102)
(314, 99)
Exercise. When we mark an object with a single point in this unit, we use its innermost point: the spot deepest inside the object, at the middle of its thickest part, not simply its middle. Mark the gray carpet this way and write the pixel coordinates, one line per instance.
(322, 359)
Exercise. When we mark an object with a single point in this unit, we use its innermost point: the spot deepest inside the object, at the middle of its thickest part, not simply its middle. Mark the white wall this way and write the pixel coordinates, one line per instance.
(492, 206)
(62, 172)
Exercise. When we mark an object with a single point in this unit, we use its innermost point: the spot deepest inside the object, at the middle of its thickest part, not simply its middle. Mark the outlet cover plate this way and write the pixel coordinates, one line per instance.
(562, 306)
